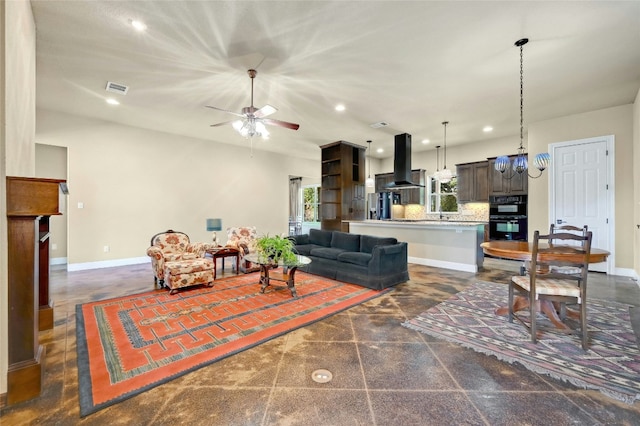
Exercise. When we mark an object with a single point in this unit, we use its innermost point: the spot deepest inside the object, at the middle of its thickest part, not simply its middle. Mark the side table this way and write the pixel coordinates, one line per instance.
(220, 253)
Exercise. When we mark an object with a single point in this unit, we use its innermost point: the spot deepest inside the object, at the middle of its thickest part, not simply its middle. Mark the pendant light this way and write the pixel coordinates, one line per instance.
(520, 162)
(445, 175)
(369, 182)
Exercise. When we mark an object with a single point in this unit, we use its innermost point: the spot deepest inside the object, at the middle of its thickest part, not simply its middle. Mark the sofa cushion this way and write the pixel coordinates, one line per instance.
(345, 241)
(368, 242)
(320, 237)
(300, 239)
(326, 252)
(305, 249)
(355, 258)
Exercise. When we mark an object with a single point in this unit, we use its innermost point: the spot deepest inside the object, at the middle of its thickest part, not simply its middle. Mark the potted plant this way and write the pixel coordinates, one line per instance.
(276, 248)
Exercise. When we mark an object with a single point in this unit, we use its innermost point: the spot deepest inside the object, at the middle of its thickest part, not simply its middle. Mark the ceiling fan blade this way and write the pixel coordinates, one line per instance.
(222, 124)
(264, 111)
(279, 123)
(224, 110)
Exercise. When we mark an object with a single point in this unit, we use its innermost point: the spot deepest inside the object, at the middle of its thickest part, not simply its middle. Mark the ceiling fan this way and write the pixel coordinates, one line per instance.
(252, 121)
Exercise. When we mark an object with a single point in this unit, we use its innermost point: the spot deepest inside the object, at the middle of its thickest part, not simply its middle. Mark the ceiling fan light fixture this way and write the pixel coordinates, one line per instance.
(251, 127)
(261, 130)
(253, 122)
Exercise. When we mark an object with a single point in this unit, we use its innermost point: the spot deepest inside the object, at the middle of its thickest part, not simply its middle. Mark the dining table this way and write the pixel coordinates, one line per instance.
(521, 250)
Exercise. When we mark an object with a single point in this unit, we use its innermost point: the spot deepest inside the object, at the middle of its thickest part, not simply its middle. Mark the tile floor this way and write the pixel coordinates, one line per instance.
(383, 373)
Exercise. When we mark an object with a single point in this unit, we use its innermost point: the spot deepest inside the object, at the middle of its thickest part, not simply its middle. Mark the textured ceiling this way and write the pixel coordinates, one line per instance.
(410, 64)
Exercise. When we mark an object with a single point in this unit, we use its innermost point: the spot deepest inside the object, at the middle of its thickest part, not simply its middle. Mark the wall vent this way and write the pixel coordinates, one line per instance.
(117, 88)
(379, 124)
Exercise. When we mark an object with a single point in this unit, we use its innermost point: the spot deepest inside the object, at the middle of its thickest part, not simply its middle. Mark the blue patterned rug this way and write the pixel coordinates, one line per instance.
(611, 365)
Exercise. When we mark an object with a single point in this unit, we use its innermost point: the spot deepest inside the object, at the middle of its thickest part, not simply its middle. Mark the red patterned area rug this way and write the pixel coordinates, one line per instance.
(610, 365)
(131, 344)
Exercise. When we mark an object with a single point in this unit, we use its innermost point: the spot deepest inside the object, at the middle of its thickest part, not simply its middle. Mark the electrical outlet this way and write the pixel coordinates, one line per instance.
(106, 249)
(81, 205)
(54, 246)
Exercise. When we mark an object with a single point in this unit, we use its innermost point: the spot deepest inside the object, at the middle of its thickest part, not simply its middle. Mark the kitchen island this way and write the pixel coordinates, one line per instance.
(439, 243)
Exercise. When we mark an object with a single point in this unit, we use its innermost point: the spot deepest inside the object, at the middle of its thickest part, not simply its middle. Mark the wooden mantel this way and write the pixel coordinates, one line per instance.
(30, 203)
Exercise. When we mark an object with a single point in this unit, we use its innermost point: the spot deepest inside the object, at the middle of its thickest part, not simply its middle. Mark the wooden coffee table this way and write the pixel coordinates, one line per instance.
(288, 271)
(220, 253)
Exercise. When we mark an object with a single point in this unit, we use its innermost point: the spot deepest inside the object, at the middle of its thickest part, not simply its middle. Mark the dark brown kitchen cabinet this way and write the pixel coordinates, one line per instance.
(407, 195)
(382, 180)
(30, 202)
(342, 188)
(414, 195)
(473, 182)
(509, 183)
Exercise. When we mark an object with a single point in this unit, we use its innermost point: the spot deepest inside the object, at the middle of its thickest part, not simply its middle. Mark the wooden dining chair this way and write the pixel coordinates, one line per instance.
(524, 269)
(574, 230)
(555, 250)
(553, 228)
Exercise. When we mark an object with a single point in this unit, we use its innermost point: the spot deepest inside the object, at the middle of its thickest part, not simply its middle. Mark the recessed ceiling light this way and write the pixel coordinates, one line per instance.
(380, 150)
(425, 141)
(112, 101)
(138, 25)
(340, 107)
(487, 129)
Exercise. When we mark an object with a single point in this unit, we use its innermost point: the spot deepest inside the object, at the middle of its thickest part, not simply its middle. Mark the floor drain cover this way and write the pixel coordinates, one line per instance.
(322, 376)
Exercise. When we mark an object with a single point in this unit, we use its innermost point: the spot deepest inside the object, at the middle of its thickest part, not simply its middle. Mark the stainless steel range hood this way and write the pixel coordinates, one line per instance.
(402, 164)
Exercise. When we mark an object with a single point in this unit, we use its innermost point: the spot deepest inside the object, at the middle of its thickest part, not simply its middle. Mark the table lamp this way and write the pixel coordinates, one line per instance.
(214, 225)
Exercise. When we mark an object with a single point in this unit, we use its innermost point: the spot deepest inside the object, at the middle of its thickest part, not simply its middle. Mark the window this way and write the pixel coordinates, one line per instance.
(443, 197)
(311, 200)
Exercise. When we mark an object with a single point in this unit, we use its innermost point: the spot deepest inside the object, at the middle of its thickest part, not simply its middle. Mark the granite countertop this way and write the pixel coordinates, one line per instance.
(418, 222)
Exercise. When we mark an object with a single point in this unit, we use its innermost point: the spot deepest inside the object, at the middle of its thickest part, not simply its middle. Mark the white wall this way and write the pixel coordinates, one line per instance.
(135, 182)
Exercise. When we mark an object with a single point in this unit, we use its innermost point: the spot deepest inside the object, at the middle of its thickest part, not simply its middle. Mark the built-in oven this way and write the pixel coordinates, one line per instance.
(508, 217)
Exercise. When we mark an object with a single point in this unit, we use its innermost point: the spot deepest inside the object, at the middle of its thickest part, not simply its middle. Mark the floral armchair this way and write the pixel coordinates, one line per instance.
(172, 246)
(244, 240)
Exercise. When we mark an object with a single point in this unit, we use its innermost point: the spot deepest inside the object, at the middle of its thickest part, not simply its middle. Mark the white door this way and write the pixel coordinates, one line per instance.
(581, 190)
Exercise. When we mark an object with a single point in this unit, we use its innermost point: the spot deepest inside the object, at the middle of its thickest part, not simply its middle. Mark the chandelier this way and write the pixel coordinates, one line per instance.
(445, 174)
(369, 183)
(520, 164)
(250, 127)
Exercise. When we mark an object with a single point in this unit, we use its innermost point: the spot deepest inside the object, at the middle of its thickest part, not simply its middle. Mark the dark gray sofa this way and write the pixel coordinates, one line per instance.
(373, 262)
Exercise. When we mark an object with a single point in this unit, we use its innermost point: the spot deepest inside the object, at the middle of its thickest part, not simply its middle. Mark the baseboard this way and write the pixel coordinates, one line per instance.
(443, 264)
(626, 272)
(108, 263)
(58, 261)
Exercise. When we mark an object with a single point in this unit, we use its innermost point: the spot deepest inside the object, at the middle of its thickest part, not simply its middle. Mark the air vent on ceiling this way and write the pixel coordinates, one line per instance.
(379, 124)
(117, 88)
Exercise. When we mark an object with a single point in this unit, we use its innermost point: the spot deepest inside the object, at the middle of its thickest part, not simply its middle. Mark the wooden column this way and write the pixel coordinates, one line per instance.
(30, 202)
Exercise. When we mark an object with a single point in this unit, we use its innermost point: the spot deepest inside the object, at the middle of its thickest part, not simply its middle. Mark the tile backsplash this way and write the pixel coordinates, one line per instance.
(469, 212)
